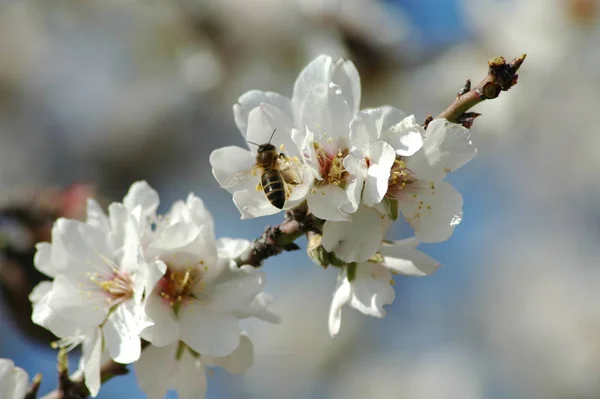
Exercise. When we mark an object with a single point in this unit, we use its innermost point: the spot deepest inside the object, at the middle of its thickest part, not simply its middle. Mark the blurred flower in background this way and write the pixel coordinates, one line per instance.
(115, 91)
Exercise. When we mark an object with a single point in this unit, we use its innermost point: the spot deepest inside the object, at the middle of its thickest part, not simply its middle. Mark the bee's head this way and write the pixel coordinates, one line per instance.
(266, 147)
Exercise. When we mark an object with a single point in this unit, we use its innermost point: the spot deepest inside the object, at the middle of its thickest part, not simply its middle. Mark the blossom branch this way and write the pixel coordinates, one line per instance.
(501, 77)
(277, 239)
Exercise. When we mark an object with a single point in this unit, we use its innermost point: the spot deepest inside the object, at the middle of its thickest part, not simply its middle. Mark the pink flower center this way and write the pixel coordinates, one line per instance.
(401, 178)
(331, 166)
(178, 286)
(118, 287)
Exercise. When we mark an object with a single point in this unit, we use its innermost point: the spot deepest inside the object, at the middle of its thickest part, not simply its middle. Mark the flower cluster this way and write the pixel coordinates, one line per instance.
(163, 293)
(356, 171)
(133, 275)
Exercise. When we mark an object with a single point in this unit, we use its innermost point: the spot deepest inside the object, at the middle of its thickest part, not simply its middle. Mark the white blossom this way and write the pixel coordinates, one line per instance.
(176, 367)
(203, 293)
(312, 130)
(431, 206)
(100, 279)
(414, 186)
(378, 137)
(14, 381)
(368, 286)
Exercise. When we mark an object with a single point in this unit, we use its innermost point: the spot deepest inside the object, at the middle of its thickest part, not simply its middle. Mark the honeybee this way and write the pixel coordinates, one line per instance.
(272, 181)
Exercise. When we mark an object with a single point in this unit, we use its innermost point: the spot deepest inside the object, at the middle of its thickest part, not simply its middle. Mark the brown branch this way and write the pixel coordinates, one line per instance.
(74, 387)
(277, 239)
(501, 77)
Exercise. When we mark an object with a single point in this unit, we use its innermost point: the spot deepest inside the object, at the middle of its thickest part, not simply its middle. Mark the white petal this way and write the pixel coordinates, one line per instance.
(376, 185)
(402, 257)
(189, 379)
(446, 147)
(372, 289)
(266, 121)
(326, 113)
(406, 137)
(319, 71)
(341, 297)
(14, 381)
(327, 202)
(391, 116)
(142, 195)
(86, 248)
(121, 333)
(234, 293)
(299, 139)
(70, 301)
(357, 240)
(252, 99)
(239, 361)
(39, 291)
(165, 329)
(6, 377)
(43, 259)
(231, 248)
(198, 213)
(435, 218)
(96, 216)
(152, 275)
(185, 244)
(20, 383)
(304, 141)
(231, 166)
(365, 129)
(259, 308)
(354, 189)
(91, 358)
(207, 333)
(44, 316)
(154, 368)
(125, 237)
(299, 192)
(252, 204)
(346, 76)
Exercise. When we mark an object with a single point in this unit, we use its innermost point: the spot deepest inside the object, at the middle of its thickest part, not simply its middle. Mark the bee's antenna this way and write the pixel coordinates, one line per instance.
(252, 142)
(272, 134)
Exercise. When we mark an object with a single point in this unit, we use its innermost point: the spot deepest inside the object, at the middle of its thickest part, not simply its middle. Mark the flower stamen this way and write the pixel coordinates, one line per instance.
(177, 285)
(331, 166)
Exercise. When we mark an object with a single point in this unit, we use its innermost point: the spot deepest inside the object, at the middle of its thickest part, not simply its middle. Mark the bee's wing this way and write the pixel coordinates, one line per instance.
(239, 177)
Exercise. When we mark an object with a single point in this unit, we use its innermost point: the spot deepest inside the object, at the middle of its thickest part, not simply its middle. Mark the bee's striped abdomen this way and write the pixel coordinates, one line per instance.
(274, 187)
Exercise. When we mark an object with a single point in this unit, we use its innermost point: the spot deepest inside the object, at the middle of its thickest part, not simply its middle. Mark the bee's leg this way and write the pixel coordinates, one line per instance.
(290, 177)
(288, 191)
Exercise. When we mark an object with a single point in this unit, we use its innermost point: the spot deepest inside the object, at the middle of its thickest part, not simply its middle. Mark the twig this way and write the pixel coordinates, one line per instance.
(277, 239)
(74, 387)
(501, 77)
(34, 387)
